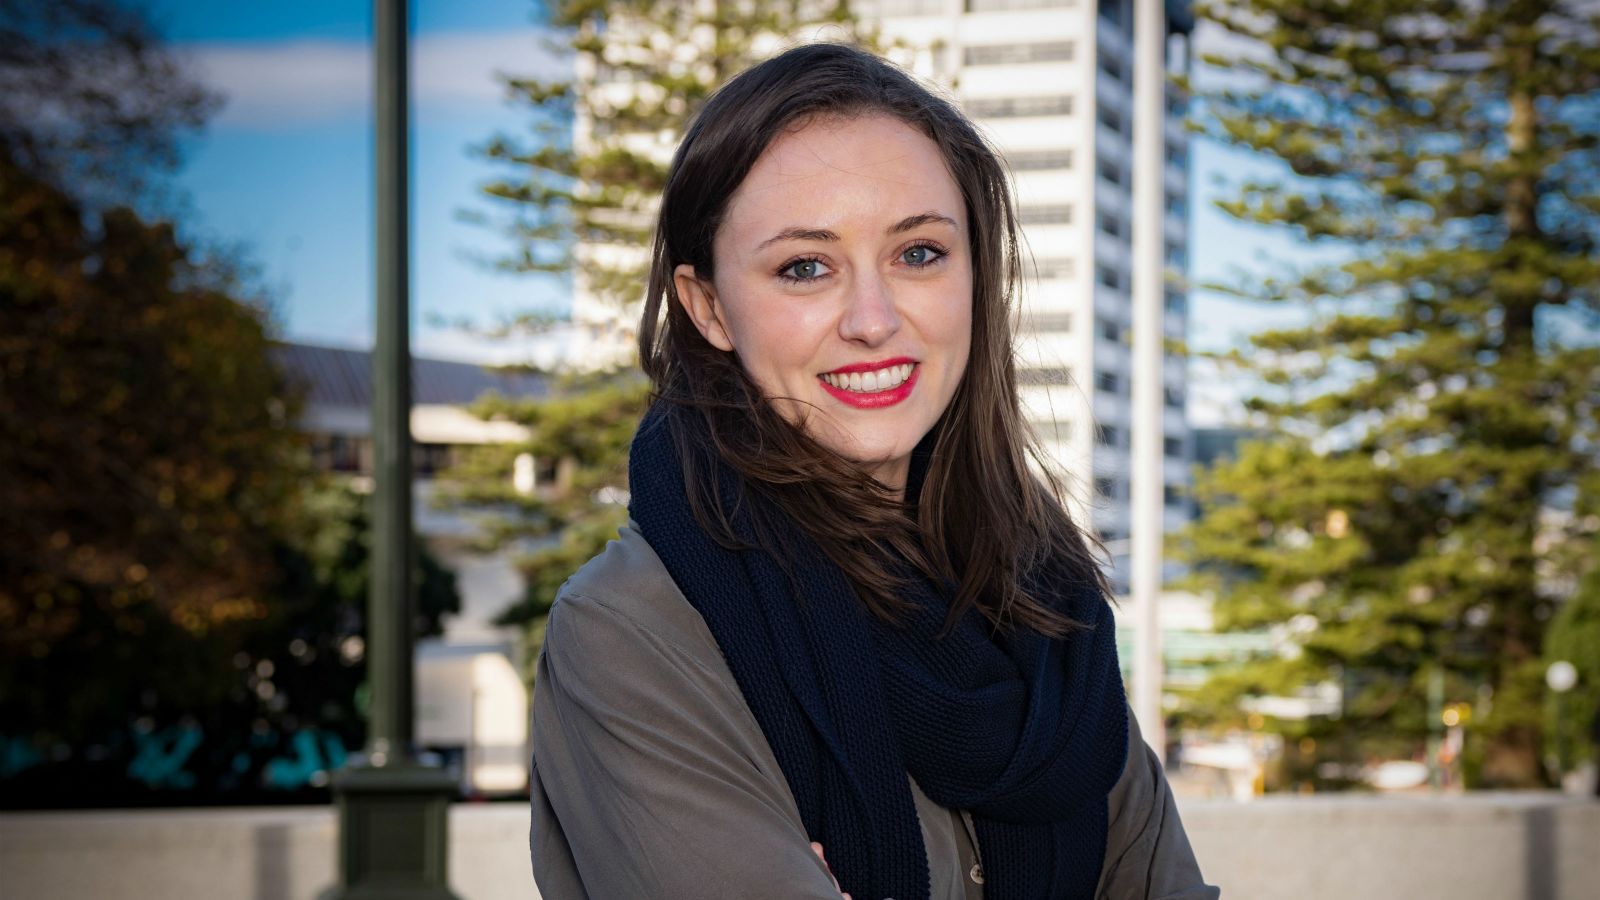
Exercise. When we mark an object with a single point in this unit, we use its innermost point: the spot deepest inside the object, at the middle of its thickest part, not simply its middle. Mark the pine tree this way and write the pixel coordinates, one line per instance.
(1430, 491)
(582, 206)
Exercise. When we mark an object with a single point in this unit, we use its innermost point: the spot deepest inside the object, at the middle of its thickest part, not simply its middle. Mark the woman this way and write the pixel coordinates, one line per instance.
(846, 627)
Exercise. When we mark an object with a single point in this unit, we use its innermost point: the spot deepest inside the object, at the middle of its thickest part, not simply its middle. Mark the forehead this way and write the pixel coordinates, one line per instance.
(840, 174)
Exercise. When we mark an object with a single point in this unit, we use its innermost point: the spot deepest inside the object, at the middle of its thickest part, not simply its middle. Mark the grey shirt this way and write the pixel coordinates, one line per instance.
(652, 779)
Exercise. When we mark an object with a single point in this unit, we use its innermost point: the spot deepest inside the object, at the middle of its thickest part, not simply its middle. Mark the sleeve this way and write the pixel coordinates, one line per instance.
(651, 778)
(1148, 856)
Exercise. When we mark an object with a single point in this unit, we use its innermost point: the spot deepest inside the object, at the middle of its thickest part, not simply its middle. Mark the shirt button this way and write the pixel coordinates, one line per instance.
(976, 874)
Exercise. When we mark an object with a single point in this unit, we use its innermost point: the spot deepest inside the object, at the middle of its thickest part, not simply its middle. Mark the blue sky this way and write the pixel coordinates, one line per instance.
(284, 172)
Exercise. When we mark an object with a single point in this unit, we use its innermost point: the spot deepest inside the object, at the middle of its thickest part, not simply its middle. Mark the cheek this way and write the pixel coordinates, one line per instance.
(778, 338)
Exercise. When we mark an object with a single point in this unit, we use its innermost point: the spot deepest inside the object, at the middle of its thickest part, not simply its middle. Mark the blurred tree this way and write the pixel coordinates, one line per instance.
(165, 547)
(1574, 636)
(90, 99)
(148, 454)
(1436, 419)
(582, 207)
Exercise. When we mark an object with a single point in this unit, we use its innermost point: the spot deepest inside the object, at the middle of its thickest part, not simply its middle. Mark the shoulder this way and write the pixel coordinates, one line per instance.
(623, 604)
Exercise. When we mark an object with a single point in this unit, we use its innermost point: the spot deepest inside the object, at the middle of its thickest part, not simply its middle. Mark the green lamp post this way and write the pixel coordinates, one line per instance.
(393, 810)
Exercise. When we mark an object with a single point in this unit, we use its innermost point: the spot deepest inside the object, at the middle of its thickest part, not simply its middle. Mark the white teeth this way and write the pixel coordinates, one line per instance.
(871, 382)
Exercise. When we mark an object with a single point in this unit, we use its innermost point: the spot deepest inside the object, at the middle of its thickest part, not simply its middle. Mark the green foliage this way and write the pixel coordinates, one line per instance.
(645, 68)
(1574, 636)
(1432, 476)
(146, 442)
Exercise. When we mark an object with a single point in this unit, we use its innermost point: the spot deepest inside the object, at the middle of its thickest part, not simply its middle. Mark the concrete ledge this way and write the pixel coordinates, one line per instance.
(1494, 846)
(1478, 847)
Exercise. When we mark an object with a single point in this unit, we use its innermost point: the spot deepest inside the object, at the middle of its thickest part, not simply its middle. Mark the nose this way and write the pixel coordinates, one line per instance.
(870, 317)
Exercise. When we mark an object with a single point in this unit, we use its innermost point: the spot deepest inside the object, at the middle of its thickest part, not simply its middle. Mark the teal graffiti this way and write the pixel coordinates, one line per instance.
(161, 757)
(306, 760)
(16, 755)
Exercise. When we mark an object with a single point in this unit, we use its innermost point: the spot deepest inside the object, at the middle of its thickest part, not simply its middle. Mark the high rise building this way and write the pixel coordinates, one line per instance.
(1050, 83)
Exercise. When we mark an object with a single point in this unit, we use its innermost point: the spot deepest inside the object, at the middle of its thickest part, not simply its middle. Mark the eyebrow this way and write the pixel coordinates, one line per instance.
(822, 234)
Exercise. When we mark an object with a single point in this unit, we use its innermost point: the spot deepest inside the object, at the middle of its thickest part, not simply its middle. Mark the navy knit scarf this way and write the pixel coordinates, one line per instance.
(1027, 733)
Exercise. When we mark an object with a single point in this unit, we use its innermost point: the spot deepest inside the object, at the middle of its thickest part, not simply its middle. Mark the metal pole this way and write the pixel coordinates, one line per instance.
(1148, 500)
(393, 810)
(389, 604)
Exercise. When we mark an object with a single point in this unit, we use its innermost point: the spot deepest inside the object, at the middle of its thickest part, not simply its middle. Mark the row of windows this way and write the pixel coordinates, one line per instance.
(1049, 321)
(1045, 214)
(1053, 267)
(939, 7)
(1115, 436)
(1112, 118)
(1116, 489)
(1112, 225)
(1105, 329)
(1019, 107)
(1109, 382)
(1004, 54)
(1113, 172)
(1035, 160)
(1048, 375)
(353, 455)
(1006, 5)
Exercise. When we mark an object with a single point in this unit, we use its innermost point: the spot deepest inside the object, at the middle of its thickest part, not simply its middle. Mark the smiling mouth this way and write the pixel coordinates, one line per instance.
(871, 381)
(873, 385)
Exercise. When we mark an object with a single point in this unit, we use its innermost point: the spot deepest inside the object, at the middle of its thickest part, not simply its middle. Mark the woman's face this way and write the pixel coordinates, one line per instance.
(844, 284)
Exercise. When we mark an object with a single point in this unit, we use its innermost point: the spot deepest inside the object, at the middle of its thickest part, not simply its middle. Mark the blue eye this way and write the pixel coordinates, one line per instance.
(921, 255)
(803, 270)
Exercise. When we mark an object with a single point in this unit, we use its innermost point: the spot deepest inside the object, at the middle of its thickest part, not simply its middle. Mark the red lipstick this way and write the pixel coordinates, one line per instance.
(873, 399)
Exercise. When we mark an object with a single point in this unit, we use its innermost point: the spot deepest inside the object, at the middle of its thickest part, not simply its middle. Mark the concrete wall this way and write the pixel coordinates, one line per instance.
(1489, 847)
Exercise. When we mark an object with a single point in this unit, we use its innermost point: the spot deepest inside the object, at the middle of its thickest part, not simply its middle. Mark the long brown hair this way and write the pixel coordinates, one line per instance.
(983, 521)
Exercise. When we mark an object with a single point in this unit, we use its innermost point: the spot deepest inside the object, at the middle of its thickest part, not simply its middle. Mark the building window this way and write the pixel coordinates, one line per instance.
(1110, 65)
(1008, 5)
(1053, 267)
(1108, 330)
(1109, 170)
(1034, 160)
(1019, 107)
(910, 7)
(1108, 436)
(1111, 11)
(1108, 488)
(1049, 321)
(1108, 276)
(1048, 214)
(1173, 447)
(1046, 375)
(430, 459)
(1109, 117)
(1110, 224)
(1176, 303)
(1007, 54)
(1056, 430)
(341, 453)
(1173, 494)
(1107, 381)
(1176, 205)
(1173, 397)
